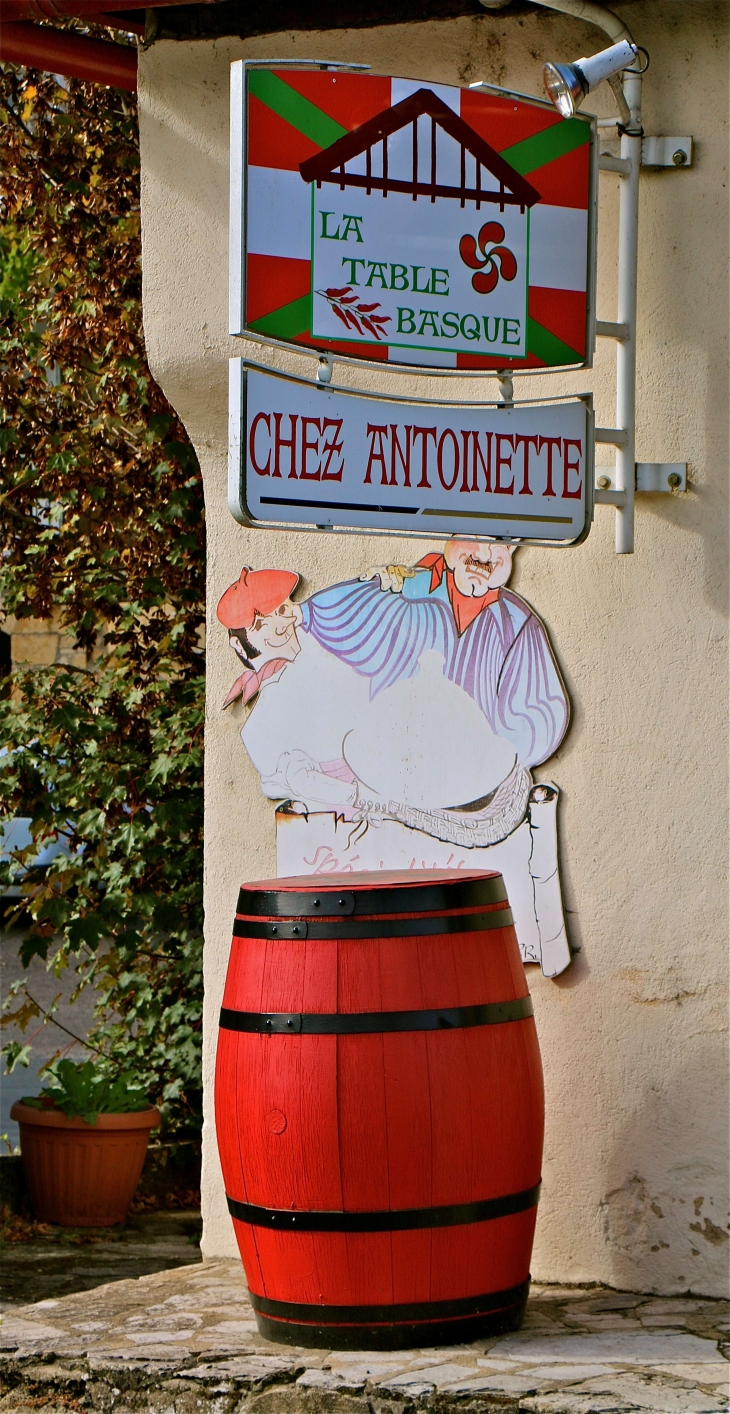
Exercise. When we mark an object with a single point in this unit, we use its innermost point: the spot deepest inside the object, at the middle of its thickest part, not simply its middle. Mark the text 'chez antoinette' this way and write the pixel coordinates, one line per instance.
(298, 448)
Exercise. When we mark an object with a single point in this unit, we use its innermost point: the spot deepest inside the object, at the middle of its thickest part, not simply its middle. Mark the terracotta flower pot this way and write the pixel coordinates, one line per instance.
(79, 1174)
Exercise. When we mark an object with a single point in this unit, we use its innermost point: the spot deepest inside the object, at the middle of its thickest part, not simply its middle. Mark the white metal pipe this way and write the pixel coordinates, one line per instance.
(614, 436)
(617, 90)
(628, 242)
(607, 163)
(606, 329)
(608, 498)
(593, 14)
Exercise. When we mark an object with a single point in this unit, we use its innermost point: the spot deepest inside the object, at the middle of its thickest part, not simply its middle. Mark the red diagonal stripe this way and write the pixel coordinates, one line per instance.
(272, 281)
(498, 361)
(272, 142)
(564, 182)
(502, 122)
(563, 312)
(348, 98)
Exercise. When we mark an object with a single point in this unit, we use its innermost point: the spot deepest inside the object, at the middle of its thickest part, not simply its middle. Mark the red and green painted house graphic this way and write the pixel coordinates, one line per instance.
(427, 225)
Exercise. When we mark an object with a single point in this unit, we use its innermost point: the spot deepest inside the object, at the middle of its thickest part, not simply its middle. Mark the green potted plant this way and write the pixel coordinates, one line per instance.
(83, 1142)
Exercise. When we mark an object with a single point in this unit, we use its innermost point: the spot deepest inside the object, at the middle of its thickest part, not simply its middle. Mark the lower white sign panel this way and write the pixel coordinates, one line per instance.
(302, 453)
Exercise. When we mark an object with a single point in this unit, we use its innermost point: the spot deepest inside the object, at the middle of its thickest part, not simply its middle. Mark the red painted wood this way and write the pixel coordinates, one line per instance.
(380, 1121)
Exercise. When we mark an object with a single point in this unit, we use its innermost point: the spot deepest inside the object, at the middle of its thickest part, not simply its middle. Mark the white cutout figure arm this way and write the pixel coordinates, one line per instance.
(298, 777)
(554, 948)
(391, 577)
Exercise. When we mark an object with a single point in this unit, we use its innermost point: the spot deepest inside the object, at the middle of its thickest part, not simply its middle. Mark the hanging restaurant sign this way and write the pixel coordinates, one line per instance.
(302, 453)
(387, 219)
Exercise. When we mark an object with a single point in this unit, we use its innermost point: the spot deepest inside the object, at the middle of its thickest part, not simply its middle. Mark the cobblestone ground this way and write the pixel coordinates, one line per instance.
(185, 1342)
(61, 1260)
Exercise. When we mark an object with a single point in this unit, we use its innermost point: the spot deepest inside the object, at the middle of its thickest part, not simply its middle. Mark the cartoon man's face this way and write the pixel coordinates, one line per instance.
(273, 635)
(477, 567)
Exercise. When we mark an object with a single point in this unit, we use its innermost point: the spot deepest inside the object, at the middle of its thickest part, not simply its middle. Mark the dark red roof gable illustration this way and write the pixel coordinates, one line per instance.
(329, 165)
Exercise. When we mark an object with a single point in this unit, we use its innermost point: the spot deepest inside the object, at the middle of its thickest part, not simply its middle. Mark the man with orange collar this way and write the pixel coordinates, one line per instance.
(474, 574)
(493, 644)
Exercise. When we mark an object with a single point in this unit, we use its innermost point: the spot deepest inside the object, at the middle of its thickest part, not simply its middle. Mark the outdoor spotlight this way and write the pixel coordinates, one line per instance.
(568, 84)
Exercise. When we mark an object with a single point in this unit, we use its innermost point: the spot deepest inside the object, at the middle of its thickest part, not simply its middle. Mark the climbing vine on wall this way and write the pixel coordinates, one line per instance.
(101, 526)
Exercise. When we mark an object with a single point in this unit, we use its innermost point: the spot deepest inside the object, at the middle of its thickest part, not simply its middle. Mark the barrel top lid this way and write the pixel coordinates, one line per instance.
(370, 879)
(381, 892)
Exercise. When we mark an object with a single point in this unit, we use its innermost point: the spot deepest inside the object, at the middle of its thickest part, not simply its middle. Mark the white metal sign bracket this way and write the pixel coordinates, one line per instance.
(617, 487)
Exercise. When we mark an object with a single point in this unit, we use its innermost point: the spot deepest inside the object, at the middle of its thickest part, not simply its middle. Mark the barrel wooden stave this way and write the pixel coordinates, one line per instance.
(365, 1269)
(325, 1122)
(411, 973)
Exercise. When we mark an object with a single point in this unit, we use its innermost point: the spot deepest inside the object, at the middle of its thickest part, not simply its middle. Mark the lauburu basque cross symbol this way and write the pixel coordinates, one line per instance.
(498, 260)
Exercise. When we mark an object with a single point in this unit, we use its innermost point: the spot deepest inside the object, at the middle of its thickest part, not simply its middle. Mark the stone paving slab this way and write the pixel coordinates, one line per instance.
(66, 1260)
(185, 1342)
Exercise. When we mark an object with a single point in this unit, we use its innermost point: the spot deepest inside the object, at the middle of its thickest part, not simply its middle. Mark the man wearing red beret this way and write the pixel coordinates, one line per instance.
(316, 704)
(262, 623)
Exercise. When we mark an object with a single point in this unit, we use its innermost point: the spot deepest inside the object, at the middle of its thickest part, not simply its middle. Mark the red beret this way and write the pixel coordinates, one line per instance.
(257, 592)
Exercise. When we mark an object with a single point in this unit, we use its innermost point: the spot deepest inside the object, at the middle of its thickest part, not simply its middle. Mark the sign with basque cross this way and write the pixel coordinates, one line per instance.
(387, 219)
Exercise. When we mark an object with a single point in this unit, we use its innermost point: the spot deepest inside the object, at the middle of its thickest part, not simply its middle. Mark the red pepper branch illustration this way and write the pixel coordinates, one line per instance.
(360, 317)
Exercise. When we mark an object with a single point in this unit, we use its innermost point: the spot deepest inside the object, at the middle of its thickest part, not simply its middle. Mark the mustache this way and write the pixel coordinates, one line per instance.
(472, 563)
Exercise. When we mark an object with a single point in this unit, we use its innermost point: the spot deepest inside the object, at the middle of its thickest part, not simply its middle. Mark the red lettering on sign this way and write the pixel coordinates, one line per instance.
(466, 438)
(377, 453)
(260, 470)
(477, 457)
(425, 433)
(569, 466)
(332, 448)
(527, 442)
(553, 444)
(500, 461)
(290, 442)
(448, 485)
(308, 446)
(405, 456)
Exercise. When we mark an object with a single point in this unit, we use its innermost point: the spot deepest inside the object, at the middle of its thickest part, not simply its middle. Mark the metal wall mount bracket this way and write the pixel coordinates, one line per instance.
(666, 152)
(650, 477)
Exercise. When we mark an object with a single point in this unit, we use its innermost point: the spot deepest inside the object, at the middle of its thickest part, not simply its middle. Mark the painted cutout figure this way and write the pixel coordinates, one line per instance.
(397, 716)
(262, 621)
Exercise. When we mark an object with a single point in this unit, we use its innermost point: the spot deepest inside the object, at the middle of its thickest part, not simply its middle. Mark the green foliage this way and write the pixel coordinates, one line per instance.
(87, 1091)
(101, 529)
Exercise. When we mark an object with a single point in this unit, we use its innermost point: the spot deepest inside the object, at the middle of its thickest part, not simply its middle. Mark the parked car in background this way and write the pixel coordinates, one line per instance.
(15, 835)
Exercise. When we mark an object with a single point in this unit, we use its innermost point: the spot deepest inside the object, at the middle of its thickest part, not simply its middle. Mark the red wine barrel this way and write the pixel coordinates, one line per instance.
(379, 1108)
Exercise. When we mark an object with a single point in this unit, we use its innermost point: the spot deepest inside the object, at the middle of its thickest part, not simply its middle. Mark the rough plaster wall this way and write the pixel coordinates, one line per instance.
(633, 1035)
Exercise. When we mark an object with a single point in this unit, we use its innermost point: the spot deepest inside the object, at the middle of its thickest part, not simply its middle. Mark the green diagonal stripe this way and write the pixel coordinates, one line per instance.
(293, 319)
(293, 108)
(286, 322)
(544, 147)
(548, 346)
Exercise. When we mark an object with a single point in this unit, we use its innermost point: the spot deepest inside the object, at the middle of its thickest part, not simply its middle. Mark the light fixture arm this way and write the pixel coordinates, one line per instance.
(592, 14)
(615, 83)
(611, 25)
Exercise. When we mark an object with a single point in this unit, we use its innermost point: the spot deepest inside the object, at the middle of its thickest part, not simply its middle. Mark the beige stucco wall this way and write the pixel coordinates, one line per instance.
(633, 1034)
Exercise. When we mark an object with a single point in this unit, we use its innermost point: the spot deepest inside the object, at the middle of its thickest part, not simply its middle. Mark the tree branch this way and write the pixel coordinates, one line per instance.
(47, 1016)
